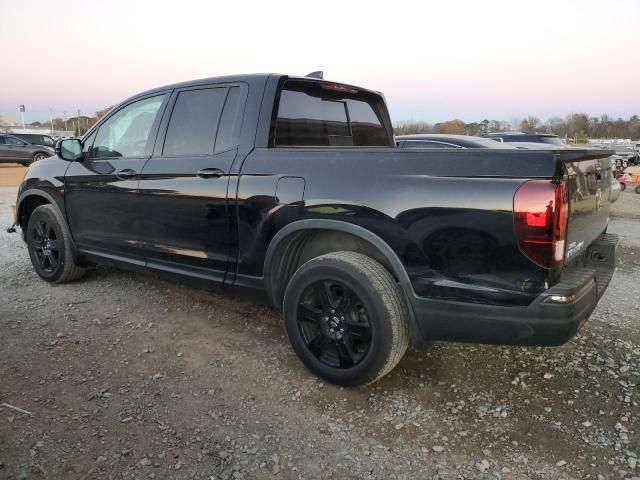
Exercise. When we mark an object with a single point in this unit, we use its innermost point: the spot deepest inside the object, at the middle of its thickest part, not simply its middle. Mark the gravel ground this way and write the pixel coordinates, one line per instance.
(129, 376)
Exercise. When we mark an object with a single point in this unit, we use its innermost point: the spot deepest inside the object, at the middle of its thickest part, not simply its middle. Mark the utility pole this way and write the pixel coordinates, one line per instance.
(22, 109)
(65, 119)
(51, 120)
(79, 133)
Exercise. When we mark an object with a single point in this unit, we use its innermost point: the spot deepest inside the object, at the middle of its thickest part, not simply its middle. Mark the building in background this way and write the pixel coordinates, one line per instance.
(610, 141)
(40, 130)
(6, 121)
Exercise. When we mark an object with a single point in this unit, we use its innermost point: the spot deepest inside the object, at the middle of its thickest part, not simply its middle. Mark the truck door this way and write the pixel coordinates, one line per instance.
(183, 187)
(101, 191)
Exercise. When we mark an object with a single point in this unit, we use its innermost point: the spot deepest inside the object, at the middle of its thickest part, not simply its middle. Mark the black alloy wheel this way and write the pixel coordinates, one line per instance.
(50, 247)
(44, 241)
(334, 324)
(346, 318)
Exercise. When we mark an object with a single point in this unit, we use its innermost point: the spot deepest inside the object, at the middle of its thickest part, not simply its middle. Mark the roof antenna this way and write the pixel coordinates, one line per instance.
(319, 74)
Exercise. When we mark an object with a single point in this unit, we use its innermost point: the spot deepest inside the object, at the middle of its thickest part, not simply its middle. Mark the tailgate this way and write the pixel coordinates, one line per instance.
(589, 183)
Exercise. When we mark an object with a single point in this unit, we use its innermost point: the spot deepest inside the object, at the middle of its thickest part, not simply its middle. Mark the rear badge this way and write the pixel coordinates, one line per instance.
(574, 249)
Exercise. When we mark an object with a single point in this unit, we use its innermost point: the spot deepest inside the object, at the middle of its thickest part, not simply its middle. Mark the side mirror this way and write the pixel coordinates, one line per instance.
(69, 149)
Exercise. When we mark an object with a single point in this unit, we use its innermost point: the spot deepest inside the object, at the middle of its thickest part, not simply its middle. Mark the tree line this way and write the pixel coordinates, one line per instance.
(575, 127)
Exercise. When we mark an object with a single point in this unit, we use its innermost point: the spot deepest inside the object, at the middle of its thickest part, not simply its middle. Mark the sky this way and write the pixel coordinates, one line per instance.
(433, 60)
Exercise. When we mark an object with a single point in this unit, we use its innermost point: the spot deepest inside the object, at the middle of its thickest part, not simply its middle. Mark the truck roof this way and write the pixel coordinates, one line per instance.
(247, 78)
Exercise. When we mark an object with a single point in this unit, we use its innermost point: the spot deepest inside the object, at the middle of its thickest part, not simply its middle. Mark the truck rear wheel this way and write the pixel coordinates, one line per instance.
(345, 318)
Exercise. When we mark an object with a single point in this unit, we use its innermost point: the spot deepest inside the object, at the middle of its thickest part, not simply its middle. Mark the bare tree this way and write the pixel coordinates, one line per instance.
(576, 127)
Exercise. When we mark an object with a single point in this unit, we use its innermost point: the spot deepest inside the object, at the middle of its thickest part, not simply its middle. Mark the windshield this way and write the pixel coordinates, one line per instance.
(533, 138)
(552, 141)
(492, 144)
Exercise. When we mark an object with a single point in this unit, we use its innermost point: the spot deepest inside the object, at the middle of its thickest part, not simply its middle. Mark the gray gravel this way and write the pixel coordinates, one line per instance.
(129, 376)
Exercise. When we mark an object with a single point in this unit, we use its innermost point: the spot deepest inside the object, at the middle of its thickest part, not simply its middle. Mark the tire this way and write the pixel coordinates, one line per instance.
(637, 189)
(39, 156)
(49, 246)
(623, 187)
(356, 331)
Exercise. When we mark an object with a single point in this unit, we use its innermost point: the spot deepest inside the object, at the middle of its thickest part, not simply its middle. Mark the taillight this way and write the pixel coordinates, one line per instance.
(540, 211)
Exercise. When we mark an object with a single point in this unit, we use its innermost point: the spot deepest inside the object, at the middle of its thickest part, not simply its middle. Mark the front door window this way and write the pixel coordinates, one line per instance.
(126, 133)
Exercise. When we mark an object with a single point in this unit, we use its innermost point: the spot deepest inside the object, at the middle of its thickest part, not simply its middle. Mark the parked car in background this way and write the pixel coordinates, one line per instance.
(534, 145)
(520, 137)
(436, 140)
(16, 150)
(631, 178)
(617, 185)
(37, 139)
(291, 190)
(623, 179)
(621, 162)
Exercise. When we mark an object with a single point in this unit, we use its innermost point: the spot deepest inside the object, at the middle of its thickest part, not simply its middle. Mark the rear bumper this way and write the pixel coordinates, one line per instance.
(553, 318)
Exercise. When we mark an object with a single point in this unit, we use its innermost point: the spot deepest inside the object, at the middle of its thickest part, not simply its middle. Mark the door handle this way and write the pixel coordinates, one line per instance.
(126, 174)
(210, 173)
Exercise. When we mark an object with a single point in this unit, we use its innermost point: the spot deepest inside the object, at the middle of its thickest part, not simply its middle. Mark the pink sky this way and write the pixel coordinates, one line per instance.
(464, 59)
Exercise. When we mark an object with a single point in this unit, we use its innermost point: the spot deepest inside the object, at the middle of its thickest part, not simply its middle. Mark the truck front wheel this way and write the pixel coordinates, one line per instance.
(345, 318)
(49, 245)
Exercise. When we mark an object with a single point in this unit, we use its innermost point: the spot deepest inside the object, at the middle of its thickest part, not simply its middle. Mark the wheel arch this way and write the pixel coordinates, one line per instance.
(31, 199)
(305, 239)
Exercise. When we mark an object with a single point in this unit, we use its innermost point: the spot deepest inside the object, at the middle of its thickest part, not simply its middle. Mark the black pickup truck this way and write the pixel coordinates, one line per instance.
(290, 190)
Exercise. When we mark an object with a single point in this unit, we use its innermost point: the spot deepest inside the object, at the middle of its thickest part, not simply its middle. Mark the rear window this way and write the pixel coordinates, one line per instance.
(326, 115)
(552, 141)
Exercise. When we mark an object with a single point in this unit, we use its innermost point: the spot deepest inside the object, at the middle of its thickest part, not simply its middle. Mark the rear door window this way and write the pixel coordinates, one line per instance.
(230, 121)
(13, 141)
(327, 115)
(194, 122)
